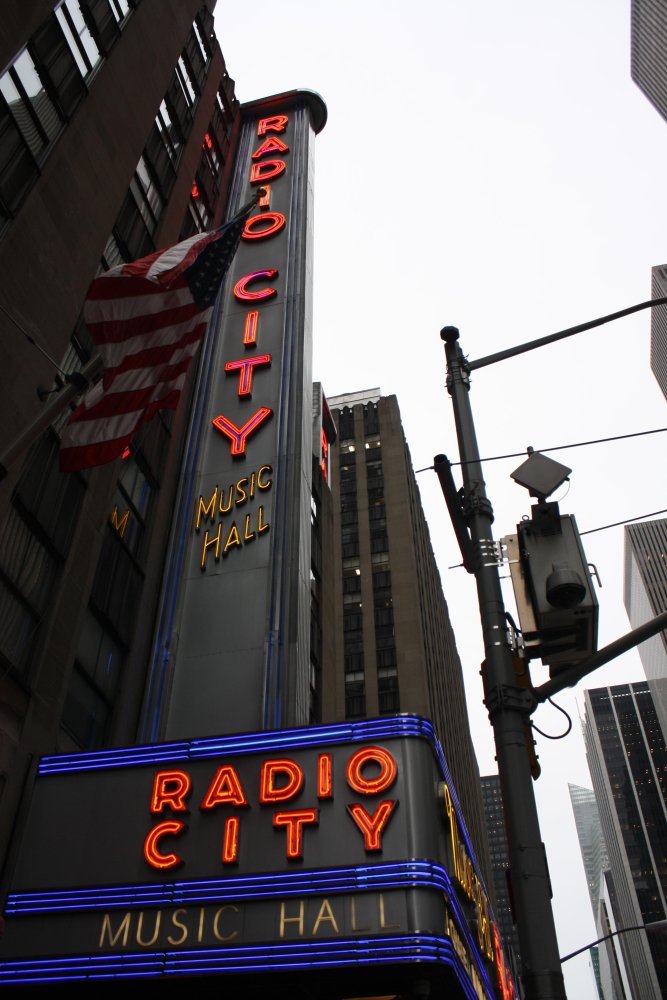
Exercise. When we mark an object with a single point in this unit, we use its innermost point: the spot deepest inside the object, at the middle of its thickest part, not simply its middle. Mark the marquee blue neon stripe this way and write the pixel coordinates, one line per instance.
(393, 726)
(365, 951)
(367, 878)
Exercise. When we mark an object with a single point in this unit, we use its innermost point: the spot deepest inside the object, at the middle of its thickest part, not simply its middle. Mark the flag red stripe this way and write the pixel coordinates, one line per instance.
(113, 355)
(100, 451)
(153, 357)
(118, 328)
(129, 400)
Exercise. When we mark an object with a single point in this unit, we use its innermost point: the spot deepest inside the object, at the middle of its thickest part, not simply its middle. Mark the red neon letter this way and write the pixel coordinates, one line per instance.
(154, 858)
(242, 293)
(244, 367)
(370, 786)
(324, 776)
(372, 826)
(170, 788)
(294, 821)
(225, 787)
(230, 840)
(250, 328)
(239, 435)
(276, 123)
(268, 791)
(264, 169)
(270, 145)
(276, 221)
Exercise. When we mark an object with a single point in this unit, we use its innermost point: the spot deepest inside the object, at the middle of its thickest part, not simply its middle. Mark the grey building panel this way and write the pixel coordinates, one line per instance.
(659, 327)
(649, 51)
(645, 596)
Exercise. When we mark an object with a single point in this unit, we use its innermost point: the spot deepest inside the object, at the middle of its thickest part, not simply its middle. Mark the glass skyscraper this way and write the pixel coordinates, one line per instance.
(627, 759)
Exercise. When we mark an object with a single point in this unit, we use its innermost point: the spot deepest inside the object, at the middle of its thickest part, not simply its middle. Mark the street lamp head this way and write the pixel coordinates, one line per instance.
(449, 334)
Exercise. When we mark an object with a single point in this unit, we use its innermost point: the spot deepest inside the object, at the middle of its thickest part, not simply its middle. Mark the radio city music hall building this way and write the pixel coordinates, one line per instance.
(173, 806)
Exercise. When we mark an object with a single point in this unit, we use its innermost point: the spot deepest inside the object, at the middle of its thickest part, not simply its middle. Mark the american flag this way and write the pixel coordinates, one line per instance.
(147, 317)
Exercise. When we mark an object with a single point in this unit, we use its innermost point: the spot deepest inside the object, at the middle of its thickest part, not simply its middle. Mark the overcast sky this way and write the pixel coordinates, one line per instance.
(490, 166)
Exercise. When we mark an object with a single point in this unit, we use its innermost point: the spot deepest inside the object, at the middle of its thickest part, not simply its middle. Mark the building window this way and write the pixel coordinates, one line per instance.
(371, 420)
(388, 690)
(103, 19)
(30, 104)
(355, 695)
(35, 541)
(79, 37)
(18, 169)
(345, 423)
(58, 67)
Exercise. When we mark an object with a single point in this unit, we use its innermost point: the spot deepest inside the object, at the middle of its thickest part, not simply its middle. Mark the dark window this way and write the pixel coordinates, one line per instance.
(35, 541)
(117, 586)
(388, 690)
(18, 169)
(86, 713)
(58, 67)
(345, 423)
(197, 53)
(371, 422)
(102, 23)
(79, 38)
(130, 233)
(30, 104)
(355, 696)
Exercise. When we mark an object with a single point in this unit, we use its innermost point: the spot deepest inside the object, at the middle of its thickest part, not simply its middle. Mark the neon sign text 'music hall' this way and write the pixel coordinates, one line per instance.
(323, 849)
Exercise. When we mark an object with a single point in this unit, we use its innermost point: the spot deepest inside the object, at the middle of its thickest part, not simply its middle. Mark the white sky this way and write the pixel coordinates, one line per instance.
(490, 166)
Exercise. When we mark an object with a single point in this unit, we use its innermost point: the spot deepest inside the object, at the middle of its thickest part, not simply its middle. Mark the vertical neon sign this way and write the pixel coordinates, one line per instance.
(238, 646)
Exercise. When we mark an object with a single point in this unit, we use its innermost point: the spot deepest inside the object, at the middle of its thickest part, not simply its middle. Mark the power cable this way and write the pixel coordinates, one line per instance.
(559, 447)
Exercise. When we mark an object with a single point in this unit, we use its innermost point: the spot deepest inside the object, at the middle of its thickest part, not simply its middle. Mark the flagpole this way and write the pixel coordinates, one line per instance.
(75, 384)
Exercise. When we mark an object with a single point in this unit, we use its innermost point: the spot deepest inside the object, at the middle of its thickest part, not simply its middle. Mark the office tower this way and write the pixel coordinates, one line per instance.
(594, 857)
(103, 162)
(396, 650)
(500, 862)
(117, 125)
(649, 51)
(627, 760)
(645, 596)
(659, 327)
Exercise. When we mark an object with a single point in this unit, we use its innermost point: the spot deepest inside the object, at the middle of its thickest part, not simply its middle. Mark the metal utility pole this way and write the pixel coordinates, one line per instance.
(509, 706)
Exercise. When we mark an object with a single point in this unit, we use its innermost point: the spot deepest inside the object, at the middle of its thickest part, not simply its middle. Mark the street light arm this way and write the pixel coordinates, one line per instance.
(511, 352)
(654, 925)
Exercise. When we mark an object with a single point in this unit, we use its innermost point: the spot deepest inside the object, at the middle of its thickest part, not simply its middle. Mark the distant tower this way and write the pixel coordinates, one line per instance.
(395, 647)
(645, 596)
(659, 327)
(627, 759)
(594, 857)
(649, 51)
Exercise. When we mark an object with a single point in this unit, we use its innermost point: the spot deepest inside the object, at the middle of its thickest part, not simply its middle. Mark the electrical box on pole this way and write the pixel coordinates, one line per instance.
(553, 588)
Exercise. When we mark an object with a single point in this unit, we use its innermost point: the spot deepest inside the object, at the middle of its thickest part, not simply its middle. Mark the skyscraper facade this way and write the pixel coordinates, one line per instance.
(118, 124)
(395, 648)
(500, 863)
(594, 858)
(627, 760)
(649, 51)
(659, 327)
(645, 596)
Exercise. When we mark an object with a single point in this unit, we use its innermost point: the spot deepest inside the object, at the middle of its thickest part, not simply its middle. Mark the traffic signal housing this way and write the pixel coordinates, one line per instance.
(553, 587)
